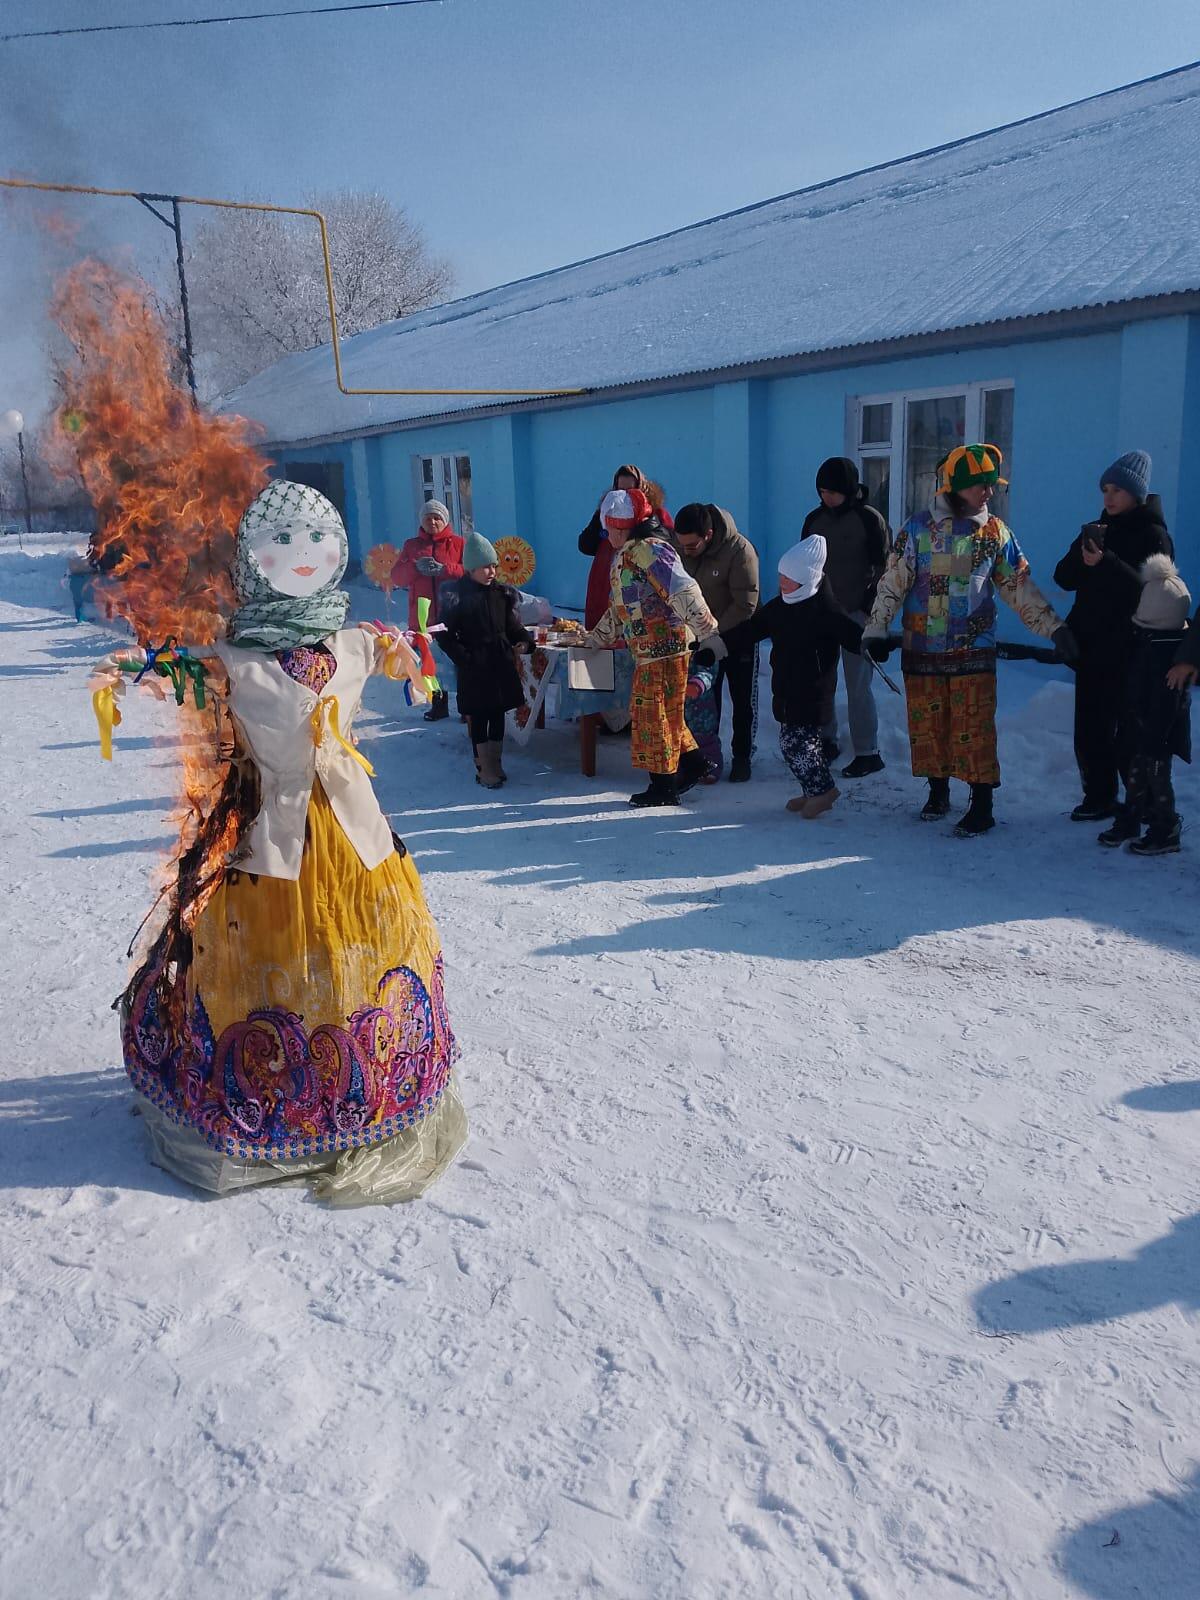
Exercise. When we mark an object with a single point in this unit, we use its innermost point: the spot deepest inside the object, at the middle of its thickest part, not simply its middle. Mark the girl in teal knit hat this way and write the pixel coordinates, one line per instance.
(481, 634)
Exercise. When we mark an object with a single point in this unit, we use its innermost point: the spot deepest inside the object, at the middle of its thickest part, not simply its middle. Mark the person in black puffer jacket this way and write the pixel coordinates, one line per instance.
(807, 629)
(1101, 569)
(482, 632)
(858, 543)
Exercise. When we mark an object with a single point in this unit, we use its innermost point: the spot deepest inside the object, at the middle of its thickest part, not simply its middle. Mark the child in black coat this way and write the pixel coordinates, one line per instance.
(1154, 723)
(481, 634)
(807, 629)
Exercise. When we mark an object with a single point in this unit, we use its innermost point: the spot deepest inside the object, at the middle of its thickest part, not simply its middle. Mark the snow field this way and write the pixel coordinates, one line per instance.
(828, 1227)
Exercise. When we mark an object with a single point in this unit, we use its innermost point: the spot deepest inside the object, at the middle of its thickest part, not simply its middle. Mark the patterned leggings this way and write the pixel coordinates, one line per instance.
(804, 754)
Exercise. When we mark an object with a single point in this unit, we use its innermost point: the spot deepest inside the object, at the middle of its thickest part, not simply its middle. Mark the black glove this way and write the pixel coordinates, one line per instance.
(1067, 646)
(878, 649)
(704, 658)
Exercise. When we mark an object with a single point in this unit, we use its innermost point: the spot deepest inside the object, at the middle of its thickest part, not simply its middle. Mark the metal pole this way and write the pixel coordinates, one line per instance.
(176, 228)
(284, 211)
(183, 299)
(25, 486)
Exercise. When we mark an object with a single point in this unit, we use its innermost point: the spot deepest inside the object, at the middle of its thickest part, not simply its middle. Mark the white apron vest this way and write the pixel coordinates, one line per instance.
(275, 718)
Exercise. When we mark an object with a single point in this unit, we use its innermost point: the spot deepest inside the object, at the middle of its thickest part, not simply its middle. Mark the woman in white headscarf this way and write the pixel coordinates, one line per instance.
(289, 1019)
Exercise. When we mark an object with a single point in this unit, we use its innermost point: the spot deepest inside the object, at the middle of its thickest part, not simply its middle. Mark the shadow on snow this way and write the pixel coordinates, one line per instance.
(77, 1128)
(857, 883)
(1139, 1552)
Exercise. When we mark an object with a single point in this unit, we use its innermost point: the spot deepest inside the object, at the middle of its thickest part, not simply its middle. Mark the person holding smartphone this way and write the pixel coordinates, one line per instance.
(1102, 569)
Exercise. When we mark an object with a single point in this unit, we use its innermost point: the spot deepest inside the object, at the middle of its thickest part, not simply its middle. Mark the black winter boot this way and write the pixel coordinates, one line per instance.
(978, 817)
(1091, 810)
(440, 707)
(661, 791)
(938, 804)
(1160, 840)
(692, 767)
(863, 766)
(1126, 826)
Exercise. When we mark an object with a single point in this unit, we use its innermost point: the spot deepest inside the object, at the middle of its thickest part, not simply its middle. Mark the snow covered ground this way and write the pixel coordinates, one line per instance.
(829, 1226)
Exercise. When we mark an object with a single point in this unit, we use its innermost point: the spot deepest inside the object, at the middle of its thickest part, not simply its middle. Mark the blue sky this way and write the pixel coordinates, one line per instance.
(525, 133)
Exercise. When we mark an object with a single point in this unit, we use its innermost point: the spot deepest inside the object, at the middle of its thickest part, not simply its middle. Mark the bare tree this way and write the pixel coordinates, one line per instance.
(257, 280)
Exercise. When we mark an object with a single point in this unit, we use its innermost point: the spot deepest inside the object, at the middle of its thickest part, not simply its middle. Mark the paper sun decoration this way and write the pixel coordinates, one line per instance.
(517, 559)
(378, 566)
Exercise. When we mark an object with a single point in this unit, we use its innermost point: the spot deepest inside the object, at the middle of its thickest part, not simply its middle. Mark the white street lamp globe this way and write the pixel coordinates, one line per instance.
(12, 422)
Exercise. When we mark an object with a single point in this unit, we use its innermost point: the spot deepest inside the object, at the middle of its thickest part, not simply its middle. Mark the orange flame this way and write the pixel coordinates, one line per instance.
(168, 481)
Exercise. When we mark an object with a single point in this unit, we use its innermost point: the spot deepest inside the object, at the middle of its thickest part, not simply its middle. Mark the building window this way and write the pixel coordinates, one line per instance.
(448, 479)
(329, 477)
(900, 438)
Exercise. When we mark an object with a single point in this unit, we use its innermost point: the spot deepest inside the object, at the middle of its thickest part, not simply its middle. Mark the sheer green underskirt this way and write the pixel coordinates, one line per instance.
(396, 1169)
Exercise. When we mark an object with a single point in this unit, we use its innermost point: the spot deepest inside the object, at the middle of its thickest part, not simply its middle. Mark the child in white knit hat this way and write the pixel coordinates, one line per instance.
(1154, 724)
(807, 629)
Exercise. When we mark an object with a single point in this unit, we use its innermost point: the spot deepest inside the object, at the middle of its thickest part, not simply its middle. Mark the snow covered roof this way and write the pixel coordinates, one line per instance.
(1091, 204)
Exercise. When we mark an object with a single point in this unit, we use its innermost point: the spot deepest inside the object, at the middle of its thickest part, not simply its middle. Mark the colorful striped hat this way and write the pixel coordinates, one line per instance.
(969, 465)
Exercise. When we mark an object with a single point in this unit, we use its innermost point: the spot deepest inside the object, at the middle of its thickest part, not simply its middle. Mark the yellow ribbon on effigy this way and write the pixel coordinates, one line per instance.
(326, 716)
(108, 715)
(395, 665)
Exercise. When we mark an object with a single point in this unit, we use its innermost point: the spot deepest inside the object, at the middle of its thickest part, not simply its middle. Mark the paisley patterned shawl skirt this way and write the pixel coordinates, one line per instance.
(316, 1038)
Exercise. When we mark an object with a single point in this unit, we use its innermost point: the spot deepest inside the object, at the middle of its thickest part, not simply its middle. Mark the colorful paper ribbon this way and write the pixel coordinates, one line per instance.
(325, 715)
(108, 715)
(420, 641)
(168, 661)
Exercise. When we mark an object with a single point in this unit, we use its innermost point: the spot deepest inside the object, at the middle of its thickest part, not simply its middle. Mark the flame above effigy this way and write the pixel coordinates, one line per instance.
(168, 481)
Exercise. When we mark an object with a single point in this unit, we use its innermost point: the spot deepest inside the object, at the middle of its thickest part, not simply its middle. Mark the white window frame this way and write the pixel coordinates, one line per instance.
(445, 470)
(897, 450)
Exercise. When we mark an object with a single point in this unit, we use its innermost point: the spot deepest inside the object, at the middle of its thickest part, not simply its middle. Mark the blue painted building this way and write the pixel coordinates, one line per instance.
(1037, 285)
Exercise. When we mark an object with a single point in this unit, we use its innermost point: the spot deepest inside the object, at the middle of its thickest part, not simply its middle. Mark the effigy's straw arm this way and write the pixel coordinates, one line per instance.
(178, 665)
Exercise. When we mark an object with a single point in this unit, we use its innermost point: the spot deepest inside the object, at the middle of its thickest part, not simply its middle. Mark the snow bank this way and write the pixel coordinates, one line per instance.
(37, 575)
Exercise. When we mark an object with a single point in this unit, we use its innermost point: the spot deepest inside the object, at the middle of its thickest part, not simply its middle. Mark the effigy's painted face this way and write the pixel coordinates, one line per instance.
(297, 556)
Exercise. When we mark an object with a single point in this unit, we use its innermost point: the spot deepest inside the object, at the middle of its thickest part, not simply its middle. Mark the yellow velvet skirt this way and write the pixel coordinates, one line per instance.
(316, 1037)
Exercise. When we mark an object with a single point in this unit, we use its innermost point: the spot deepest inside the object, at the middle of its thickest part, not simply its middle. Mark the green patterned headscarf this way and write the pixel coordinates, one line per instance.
(295, 517)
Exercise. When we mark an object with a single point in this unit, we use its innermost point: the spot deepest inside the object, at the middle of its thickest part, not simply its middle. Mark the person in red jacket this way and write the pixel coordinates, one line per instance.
(432, 558)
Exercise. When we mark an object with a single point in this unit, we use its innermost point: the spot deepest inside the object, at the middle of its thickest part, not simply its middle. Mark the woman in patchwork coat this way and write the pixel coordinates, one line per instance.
(657, 609)
(946, 568)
